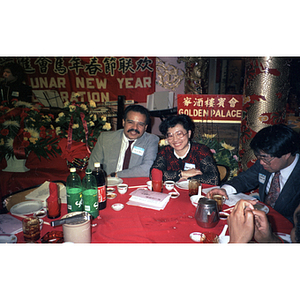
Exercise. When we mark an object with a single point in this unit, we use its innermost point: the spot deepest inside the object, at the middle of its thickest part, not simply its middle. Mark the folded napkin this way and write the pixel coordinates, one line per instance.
(53, 191)
(156, 175)
(53, 203)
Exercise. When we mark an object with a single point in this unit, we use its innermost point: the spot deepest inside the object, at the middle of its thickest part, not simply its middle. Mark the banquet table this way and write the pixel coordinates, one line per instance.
(134, 224)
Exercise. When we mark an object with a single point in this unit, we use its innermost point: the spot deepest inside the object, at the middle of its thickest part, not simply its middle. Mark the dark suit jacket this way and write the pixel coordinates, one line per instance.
(107, 149)
(257, 177)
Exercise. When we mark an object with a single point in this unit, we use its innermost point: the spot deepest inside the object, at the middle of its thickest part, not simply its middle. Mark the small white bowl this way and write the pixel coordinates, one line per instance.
(117, 206)
(111, 196)
(197, 237)
(169, 185)
(174, 194)
(122, 188)
(194, 199)
(110, 189)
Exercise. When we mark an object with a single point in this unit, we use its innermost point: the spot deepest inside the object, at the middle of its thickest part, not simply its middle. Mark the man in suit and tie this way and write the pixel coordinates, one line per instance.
(276, 172)
(127, 152)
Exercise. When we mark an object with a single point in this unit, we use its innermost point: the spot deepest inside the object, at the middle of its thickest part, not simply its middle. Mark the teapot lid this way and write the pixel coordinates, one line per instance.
(207, 202)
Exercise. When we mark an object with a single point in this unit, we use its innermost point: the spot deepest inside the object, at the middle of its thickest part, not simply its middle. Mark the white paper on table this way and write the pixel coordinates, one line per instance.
(42, 193)
(233, 198)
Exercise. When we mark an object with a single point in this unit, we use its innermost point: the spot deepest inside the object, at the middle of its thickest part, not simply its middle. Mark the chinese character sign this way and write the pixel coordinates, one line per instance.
(211, 108)
(100, 79)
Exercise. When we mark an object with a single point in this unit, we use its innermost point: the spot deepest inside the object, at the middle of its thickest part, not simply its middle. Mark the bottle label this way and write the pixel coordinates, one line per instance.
(74, 200)
(101, 193)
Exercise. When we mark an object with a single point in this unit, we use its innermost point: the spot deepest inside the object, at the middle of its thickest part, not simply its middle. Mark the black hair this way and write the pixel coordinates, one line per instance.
(137, 108)
(184, 120)
(16, 70)
(276, 140)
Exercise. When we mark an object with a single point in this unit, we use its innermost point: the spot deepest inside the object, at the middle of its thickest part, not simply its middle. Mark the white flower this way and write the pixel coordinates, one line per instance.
(33, 132)
(107, 126)
(83, 106)
(11, 123)
(66, 104)
(61, 114)
(91, 123)
(92, 103)
(103, 118)
(72, 108)
(57, 130)
(75, 126)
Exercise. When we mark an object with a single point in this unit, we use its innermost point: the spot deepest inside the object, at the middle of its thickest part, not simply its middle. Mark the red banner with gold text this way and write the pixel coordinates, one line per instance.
(211, 108)
(100, 79)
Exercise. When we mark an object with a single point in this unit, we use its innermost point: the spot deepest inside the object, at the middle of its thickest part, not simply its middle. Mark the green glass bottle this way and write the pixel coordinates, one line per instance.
(89, 194)
(74, 192)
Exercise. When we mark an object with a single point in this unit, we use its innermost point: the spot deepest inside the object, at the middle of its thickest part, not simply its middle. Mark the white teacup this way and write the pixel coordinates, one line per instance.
(149, 185)
(122, 188)
(169, 185)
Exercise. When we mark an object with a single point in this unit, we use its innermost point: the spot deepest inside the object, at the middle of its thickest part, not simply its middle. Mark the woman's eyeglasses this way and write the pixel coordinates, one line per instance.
(177, 134)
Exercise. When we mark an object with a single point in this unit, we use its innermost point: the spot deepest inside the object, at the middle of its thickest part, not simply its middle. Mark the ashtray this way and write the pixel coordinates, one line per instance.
(174, 194)
(111, 195)
(117, 206)
(53, 237)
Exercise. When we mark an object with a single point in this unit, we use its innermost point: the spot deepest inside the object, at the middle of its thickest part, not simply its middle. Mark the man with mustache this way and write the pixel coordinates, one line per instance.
(111, 147)
(277, 150)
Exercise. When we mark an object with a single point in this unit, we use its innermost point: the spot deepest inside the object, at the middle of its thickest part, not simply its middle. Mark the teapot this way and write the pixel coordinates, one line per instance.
(207, 213)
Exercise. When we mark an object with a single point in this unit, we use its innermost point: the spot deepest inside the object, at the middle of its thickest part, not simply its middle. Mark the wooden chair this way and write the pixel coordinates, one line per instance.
(224, 173)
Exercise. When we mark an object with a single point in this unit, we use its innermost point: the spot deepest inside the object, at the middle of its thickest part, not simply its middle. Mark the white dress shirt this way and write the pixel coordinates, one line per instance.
(124, 146)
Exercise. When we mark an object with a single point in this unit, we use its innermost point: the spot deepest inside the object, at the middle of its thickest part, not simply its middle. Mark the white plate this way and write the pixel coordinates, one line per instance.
(284, 236)
(112, 181)
(26, 207)
(183, 184)
(7, 238)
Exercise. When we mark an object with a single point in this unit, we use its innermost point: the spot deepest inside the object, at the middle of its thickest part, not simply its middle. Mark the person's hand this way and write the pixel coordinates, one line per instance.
(262, 231)
(190, 173)
(241, 222)
(217, 191)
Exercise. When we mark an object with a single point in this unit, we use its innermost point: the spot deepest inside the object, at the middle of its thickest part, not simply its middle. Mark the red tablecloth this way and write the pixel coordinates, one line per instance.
(141, 225)
(42, 170)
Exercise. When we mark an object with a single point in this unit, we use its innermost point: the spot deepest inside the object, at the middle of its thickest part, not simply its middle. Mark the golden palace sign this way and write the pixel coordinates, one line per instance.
(211, 108)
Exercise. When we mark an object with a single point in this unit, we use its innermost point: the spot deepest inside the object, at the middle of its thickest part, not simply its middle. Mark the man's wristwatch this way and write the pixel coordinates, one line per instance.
(113, 174)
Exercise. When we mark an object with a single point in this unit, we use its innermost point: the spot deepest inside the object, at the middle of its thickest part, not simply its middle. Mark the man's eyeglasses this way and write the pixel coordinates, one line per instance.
(266, 159)
(177, 134)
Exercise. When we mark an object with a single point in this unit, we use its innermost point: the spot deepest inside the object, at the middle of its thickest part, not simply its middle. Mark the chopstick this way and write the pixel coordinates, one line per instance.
(137, 186)
(176, 190)
(230, 208)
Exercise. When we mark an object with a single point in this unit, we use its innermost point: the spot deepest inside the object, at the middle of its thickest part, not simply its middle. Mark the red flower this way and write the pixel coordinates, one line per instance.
(4, 132)
(25, 144)
(27, 134)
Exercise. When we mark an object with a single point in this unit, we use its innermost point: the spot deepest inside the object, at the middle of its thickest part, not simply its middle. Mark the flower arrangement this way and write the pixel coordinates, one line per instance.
(223, 153)
(73, 112)
(23, 128)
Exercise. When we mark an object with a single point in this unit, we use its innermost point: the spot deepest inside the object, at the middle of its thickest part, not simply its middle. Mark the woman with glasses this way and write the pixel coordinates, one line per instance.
(276, 172)
(182, 158)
